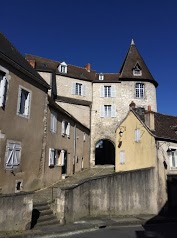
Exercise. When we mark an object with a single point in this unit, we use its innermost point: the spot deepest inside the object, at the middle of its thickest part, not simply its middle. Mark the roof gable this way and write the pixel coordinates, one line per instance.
(132, 59)
(11, 55)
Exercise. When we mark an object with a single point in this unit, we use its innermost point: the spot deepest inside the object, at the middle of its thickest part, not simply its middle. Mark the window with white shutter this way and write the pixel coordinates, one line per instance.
(3, 89)
(113, 91)
(122, 157)
(107, 111)
(137, 135)
(78, 89)
(65, 130)
(173, 158)
(24, 101)
(53, 122)
(51, 157)
(13, 154)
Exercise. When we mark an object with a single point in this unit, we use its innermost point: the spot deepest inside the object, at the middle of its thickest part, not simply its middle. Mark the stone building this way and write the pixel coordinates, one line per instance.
(99, 100)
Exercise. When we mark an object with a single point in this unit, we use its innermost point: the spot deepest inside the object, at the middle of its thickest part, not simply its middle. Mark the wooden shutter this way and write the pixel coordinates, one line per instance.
(102, 113)
(51, 157)
(68, 130)
(83, 90)
(3, 91)
(102, 91)
(63, 128)
(27, 104)
(113, 91)
(62, 157)
(113, 111)
(54, 122)
(73, 91)
(137, 135)
(122, 157)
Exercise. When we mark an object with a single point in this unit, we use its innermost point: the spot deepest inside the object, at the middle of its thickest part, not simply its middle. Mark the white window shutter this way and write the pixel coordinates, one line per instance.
(10, 159)
(122, 157)
(113, 111)
(113, 91)
(175, 154)
(27, 104)
(102, 113)
(63, 128)
(3, 91)
(137, 135)
(19, 100)
(68, 130)
(51, 156)
(83, 90)
(62, 157)
(102, 91)
(55, 122)
(73, 91)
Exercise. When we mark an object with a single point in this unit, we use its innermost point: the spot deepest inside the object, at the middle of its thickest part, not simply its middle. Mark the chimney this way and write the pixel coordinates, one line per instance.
(149, 118)
(87, 67)
(32, 62)
(132, 105)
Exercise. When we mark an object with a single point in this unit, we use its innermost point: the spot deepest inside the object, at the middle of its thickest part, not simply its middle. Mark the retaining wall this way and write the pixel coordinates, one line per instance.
(126, 193)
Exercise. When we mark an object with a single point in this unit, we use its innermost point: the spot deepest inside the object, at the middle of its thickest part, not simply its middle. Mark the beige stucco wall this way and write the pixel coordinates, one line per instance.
(64, 88)
(28, 131)
(81, 113)
(47, 76)
(104, 128)
(138, 155)
(59, 142)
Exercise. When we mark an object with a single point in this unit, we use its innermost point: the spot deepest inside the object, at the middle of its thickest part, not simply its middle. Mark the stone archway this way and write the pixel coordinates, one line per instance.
(104, 152)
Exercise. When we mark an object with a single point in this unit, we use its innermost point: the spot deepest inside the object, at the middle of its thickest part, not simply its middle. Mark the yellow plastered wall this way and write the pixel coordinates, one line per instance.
(137, 154)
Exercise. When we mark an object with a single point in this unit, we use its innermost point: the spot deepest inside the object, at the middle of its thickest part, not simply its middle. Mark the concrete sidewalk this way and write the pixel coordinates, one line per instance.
(87, 225)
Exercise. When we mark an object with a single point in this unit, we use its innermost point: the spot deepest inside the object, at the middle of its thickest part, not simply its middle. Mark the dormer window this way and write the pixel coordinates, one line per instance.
(63, 68)
(101, 76)
(137, 70)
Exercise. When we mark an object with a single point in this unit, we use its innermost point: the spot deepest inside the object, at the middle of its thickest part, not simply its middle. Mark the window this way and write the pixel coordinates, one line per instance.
(101, 76)
(3, 89)
(139, 90)
(53, 122)
(78, 89)
(56, 157)
(63, 68)
(108, 111)
(24, 98)
(137, 70)
(13, 154)
(173, 159)
(137, 135)
(107, 91)
(65, 130)
(122, 157)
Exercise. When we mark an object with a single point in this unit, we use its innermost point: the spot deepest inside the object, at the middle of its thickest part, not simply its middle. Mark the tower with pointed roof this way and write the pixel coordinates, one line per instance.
(111, 99)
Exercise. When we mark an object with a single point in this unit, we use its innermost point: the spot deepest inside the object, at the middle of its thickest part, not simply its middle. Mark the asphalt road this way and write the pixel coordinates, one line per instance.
(131, 231)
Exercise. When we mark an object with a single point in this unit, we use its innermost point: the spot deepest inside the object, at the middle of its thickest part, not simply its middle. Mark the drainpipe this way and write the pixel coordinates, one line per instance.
(74, 148)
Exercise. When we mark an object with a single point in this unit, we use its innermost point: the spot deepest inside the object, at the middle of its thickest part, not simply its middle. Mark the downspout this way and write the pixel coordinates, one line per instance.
(74, 159)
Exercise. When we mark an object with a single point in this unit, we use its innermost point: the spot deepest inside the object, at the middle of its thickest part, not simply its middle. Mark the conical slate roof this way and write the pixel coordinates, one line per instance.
(132, 59)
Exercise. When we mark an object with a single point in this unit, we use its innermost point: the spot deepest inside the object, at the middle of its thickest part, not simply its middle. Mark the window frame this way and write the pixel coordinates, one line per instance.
(27, 105)
(107, 111)
(173, 158)
(139, 90)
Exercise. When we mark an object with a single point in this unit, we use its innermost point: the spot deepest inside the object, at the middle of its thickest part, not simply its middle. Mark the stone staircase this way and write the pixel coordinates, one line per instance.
(43, 216)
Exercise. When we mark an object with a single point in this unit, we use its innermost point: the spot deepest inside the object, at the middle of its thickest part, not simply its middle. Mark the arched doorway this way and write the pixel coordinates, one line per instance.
(104, 153)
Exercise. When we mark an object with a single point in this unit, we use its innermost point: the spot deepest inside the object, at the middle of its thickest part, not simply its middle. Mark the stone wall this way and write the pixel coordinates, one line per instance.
(128, 193)
(104, 127)
(16, 211)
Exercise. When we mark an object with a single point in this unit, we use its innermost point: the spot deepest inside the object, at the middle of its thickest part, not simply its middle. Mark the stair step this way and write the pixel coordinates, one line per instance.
(46, 218)
(41, 207)
(46, 212)
(47, 223)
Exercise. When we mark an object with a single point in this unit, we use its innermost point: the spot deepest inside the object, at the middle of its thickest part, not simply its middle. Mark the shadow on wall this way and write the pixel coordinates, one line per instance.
(164, 225)
(35, 216)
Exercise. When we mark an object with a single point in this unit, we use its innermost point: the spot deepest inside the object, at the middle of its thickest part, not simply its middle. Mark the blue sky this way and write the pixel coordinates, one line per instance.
(99, 32)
